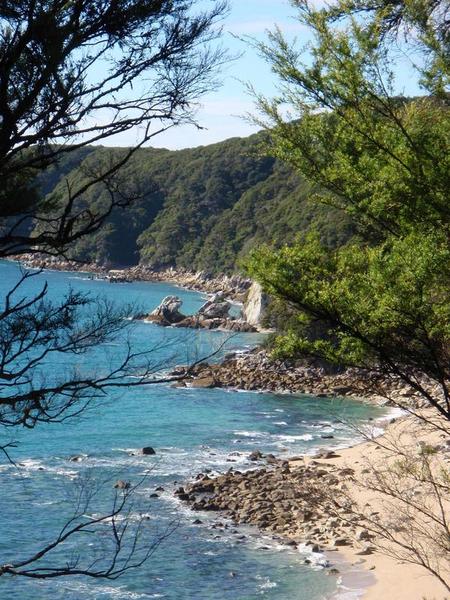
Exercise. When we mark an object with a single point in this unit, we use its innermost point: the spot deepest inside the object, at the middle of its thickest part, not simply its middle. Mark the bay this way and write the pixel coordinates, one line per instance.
(191, 430)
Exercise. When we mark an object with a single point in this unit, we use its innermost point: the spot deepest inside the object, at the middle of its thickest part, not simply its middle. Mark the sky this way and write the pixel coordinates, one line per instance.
(222, 113)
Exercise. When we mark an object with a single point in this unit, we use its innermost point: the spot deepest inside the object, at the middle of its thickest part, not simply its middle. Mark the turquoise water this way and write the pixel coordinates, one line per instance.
(191, 430)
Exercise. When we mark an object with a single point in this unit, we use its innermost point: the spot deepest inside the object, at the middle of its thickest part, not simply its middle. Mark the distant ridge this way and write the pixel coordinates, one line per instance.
(201, 209)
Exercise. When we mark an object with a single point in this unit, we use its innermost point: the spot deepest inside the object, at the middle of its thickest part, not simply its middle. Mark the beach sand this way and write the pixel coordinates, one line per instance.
(393, 580)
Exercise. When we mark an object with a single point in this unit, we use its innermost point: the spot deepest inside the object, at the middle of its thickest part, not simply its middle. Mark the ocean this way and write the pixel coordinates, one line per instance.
(192, 431)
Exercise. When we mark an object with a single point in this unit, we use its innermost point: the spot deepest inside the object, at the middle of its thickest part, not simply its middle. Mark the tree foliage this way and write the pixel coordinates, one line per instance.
(75, 72)
(382, 160)
(198, 208)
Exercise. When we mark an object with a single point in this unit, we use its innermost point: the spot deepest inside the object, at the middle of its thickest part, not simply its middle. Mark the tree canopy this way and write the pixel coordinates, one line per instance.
(383, 160)
(78, 72)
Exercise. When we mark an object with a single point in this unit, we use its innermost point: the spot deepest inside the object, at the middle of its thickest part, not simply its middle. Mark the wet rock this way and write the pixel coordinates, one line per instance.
(76, 458)
(122, 485)
(255, 455)
(148, 451)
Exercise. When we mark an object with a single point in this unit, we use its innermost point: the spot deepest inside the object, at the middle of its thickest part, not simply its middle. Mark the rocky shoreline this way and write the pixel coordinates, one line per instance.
(327, 505)
(256, 371)
(300, 503)
(234, 287)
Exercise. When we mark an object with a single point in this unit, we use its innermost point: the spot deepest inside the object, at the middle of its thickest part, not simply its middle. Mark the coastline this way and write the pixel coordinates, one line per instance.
(234, 287)
(255, 371)
(392, 580)
(362, 571)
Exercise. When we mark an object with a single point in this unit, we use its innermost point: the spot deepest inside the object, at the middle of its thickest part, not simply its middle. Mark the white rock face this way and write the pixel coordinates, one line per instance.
(256, 305)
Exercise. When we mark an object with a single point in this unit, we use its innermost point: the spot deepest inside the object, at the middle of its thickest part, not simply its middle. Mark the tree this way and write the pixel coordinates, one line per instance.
(73, 73)
(381, 301)
(383, 159)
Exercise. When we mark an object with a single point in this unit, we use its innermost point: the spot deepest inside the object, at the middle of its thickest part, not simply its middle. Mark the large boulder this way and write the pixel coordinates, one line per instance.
(168, 312)
(204, 382)
(255, 306)
(215, 308)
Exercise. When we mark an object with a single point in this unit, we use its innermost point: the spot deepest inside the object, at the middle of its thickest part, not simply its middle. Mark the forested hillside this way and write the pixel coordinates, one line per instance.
(201, 208)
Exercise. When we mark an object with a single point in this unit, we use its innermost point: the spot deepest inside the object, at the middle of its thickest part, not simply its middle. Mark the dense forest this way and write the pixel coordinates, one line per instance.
(202, 208)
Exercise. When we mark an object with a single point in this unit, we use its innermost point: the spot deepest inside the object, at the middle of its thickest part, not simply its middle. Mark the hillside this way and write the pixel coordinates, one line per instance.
(202, 208)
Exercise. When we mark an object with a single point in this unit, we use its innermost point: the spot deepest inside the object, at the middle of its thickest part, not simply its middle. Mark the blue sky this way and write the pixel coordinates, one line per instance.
(221, 114)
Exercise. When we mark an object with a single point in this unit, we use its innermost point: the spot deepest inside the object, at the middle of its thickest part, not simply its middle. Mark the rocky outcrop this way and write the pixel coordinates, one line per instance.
(168, 312)
(255, 305)
(256, 371)
(216, 307)
(229, 324)
(212, 315)
(304, 502)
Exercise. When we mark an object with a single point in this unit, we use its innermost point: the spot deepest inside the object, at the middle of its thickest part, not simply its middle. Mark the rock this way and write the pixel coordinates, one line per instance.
(324, 453)
(154, 495)
(342, 390)
(255, 306)
(213, 309)
(363, 535)
(204, 382)
(341, 542)
(76, 458)
(168, 311)
(271, 459)
(366, 551)
(148, 451)
(122, 485)
(197, 522)
(315, 548)
(255, 455)
(184, 498)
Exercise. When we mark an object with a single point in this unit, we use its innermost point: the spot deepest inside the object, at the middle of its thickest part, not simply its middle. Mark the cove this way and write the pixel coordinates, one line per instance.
(192, 430)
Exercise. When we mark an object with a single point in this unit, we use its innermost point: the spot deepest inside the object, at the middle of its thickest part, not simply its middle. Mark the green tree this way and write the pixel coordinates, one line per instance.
(384, 297)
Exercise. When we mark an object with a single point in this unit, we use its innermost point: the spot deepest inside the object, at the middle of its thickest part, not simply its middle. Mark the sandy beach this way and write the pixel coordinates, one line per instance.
(363, 507)
(394, 580)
